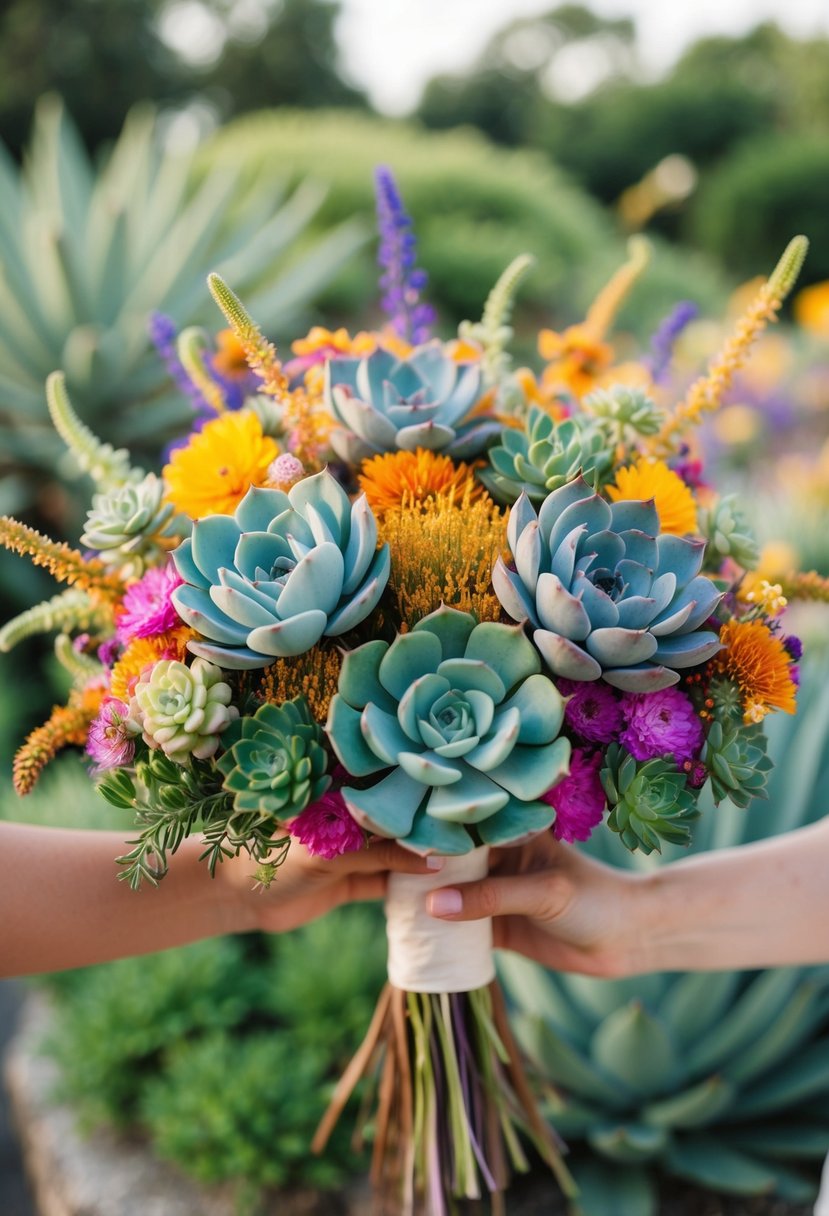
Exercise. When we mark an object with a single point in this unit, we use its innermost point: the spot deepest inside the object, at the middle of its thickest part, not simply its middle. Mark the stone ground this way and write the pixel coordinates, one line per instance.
(105, 1175)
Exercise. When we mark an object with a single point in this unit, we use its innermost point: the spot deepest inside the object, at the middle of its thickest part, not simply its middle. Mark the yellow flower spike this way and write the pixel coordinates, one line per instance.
(706, 393)
(604, 309)
(66, 726)
(259, 352)
(65, 564)
(191, 347)
(674, 502)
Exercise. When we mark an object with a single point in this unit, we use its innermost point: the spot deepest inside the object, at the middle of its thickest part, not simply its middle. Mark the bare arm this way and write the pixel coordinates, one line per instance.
(62, 904)
(759, 905)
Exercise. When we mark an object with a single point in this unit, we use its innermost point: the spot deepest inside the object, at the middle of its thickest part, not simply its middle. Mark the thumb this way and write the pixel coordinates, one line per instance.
(541, 896)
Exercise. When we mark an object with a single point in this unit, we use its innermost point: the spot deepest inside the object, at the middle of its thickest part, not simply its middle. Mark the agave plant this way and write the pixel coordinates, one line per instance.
(468, 726)
(425, 400)
(720, 1078)
(606, 593)
(87, 255)
(282, 572)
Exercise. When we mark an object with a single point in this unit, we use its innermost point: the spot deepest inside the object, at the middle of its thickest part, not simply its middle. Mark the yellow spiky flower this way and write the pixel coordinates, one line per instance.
(64, 563)
(759, 664)
(646, 479)
(313, 675)
(443, 552)
(213, 473)
(393, 479)
(66, 726)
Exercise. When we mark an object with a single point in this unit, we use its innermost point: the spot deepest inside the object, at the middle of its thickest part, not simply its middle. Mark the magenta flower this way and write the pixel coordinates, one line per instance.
(146, 606)
(578, 798)
(592, 710)
(661, 724)
(108, 742)
(327, 828)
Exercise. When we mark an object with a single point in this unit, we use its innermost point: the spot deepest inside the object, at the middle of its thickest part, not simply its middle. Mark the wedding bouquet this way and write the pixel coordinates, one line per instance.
(395, 585)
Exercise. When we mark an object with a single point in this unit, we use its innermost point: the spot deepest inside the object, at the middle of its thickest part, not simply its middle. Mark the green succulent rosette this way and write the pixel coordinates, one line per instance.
(183, 710)
(463, 727)
(735, 756)
(275, 763)
(545, 455)
(649, 801)
(125, 523)
(269, 581)
(605, 592)
(383, 403)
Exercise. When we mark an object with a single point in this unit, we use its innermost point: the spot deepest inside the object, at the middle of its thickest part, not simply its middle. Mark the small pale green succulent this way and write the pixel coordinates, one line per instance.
(605, 593)
(182, 710)
(735, 756)
(728, 531)
(466, 723)
(649, 801)
(383, 403)
(125, 524)
(544, 456)
(280, 573)
(275, 762)
(624, 412)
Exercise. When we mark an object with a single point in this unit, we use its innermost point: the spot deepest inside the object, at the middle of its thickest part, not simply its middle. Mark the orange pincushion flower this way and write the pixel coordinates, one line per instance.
(213, 473)
(673, 500)
(141, 652)
(760, 665)
(395, 479)
(576, 358)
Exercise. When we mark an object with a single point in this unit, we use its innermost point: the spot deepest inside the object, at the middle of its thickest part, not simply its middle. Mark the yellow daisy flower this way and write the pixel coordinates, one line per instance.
(395, 479)
(212, 474)
(673, 500)
(759, 664)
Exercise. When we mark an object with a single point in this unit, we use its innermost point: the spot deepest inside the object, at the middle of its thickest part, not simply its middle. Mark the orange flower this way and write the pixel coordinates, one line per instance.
(811, 309)
(759, 664)
(143, 652)
(673, 500)
(229, 359)
(575, 357)
(395, 479)
(213, 473)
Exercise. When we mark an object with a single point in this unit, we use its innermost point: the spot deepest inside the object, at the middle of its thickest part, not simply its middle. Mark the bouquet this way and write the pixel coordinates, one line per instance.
(395, 585)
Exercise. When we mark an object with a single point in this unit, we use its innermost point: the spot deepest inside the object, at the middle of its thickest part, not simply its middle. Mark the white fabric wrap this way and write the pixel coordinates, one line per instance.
(822, 1205)
(431, 955)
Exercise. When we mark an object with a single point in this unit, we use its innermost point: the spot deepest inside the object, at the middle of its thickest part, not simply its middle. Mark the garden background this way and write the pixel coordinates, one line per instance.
(148, 143)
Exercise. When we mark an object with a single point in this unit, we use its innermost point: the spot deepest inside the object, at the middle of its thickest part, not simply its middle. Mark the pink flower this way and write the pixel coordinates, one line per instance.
(327, 827)
(108, 742)
(592, 710)
(146, 608)
(578, 798)
(661, 723)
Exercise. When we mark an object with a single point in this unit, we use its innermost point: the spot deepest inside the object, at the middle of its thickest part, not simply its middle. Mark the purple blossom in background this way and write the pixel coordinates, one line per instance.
(327, 827)
(401, 281)
(163, 335)
(661, 723)
(108, 743)
(794, 646)
(664, 340)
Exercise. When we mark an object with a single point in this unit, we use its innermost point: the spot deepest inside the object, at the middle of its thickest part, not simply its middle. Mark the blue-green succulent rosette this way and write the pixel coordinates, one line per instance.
(461, 730)
(285, 570)
(384, 403)
(605, 592)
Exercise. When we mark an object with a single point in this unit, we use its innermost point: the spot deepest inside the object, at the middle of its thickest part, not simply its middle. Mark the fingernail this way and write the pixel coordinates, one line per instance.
(446, 902)
(433, 862)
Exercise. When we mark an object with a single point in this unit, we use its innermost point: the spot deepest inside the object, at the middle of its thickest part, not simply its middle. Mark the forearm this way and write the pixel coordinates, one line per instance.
(760, 905)
(62, 904)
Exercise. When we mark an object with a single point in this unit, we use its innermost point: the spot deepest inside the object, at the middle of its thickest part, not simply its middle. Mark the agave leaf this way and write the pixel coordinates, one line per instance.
(636, 1048)
(798, 1080)
(786, 1032)
(696, 1001)
(794, 1139)
(629, 1142)
(536, 993)
(692, 1107)
(709, 1163)
(755, 1010)
(564, 1065)
(604, 1188)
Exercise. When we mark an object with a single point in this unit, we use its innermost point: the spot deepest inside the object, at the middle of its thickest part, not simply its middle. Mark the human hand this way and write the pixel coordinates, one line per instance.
(554, 905)
(305, 887)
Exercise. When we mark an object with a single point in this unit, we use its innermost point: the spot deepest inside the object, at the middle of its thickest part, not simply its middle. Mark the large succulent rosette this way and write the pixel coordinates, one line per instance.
(383, 403)
(284, 570)
(463, 727)
(605, 593)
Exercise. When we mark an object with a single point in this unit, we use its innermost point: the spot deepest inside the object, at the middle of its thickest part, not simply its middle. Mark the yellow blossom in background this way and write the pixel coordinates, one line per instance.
(214, 471)
(230, 360)
(536, 392)
(141, 652)
(759, 664)
(575, 359)
(320, 339)
(674, 502)
(463, 350)
(395, 479)
(811, 309)
(777, 561)
(737, 425)
(766, 596)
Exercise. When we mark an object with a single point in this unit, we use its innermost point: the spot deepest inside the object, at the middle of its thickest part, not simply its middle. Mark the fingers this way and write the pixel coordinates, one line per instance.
(381, 855)
(541, 896)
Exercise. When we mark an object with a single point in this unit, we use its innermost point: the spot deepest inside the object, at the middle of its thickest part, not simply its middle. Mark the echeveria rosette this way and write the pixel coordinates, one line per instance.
(464, 727)
(182, 710)
(734, 756)
(649, 800)
(605, 593)
(270, 580)
(275, 762)
(545, 455)
(383, 403)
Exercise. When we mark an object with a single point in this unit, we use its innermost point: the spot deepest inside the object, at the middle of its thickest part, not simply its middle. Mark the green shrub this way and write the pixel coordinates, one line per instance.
(770, 189)
(716, 1078)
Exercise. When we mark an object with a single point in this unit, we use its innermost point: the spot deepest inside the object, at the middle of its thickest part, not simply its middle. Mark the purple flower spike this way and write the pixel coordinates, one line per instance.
(163, 334)
(401, 281)
(664, 340)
